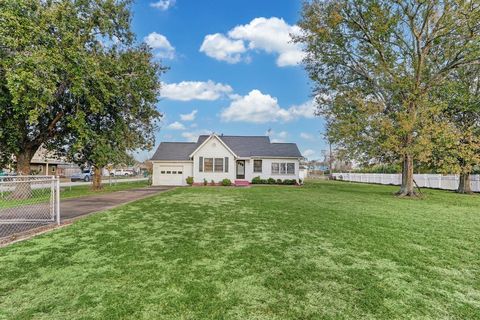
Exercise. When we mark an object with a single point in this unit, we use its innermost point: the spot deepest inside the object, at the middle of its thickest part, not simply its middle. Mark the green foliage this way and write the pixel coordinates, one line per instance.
(68, 73)
(256, 180)
(226, 182)
(212, 182)
(205, 182)
(271, 181)
(279, 181)
(380, 168)
(376, 63)
(189, 181)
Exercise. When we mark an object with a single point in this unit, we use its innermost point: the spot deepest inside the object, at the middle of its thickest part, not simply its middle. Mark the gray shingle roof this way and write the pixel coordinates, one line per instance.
(174, 150)
(242, 146)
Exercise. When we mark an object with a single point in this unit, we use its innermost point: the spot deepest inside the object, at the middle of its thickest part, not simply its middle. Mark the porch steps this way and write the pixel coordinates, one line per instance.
(241, 183)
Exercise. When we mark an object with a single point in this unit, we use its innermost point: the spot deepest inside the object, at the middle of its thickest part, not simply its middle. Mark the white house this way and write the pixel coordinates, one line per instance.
(216, 157)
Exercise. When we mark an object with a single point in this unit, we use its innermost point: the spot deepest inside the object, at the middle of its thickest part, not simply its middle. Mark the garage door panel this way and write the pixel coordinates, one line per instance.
(170, 175)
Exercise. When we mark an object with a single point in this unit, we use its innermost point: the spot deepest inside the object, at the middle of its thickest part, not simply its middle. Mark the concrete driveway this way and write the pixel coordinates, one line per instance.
(75, 207)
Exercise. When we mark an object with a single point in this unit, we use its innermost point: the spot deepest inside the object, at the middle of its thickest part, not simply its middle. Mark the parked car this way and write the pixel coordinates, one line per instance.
(122, 172)
(85, 175)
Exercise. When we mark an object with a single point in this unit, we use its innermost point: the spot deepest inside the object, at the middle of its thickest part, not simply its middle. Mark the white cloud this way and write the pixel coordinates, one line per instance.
(160, 44)
(306, 110)
(271, 35)
(257, 107)
(192, 136)
(306, 136)
(195, 90)
(189, 116)
(163, 4)
(176, 126)
(219, 47)
(277, 136)
(308, 153)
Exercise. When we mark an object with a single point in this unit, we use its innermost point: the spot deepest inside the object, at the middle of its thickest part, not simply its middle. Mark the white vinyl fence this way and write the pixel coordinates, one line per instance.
(436, 181)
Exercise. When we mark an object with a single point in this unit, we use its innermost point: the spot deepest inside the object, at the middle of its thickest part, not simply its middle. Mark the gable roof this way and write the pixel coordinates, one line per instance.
(242, 146)
(200, 144)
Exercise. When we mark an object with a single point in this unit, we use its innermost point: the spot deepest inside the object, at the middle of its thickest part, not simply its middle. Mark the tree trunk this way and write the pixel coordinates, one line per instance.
(97, 178)
(408, 187)
(23, 189)
(23, 162)
(464, 186)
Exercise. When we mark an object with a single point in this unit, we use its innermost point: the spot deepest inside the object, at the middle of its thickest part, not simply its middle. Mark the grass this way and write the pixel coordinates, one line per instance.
(43, 195)
(329, 250)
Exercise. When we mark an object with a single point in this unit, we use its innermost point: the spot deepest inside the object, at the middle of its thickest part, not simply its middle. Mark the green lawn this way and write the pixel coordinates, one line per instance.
(43, 195)
(328, 250)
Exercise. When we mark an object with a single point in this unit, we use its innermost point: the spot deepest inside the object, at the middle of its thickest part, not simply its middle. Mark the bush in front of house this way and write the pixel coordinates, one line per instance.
(226, 182)
(189, 181)
(271, 181)
(289, 181)
(205, 182)
(256, 180)
(279, 181)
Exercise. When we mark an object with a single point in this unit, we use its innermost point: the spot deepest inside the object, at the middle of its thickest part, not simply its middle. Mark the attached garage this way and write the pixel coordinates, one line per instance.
(172, 164)
(171, 174)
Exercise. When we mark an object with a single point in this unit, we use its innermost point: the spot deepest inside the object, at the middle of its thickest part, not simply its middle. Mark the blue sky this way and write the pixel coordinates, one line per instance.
(233, 70)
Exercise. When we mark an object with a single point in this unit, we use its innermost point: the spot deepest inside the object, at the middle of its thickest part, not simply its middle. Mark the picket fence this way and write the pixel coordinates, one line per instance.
(435, 181)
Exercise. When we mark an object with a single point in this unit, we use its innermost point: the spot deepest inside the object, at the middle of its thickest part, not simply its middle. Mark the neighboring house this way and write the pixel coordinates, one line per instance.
(47, 163)
(218, 157)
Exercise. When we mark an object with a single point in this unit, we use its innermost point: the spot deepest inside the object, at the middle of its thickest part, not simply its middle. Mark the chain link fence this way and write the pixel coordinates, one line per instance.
(28, 203)
(435, 181)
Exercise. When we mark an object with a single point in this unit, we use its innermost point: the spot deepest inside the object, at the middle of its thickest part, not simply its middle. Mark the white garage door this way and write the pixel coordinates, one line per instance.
(170, 176)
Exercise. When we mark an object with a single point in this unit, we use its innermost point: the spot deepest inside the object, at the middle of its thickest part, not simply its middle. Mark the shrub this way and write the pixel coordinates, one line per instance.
(300, 181)
(189, 180)
(256, 180)
(226, 182)
(271, 181)
(279, 181)
(212, 183)
(205, 182)
(289, 181)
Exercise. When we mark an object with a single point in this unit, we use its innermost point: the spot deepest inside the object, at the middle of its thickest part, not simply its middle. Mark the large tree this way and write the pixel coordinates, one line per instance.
(49, 68)
(374, 64)
(457, 148)
(126, 115)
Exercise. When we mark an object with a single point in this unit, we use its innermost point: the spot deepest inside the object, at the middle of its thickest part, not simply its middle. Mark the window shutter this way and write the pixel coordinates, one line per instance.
(226, 164)
(200, 164)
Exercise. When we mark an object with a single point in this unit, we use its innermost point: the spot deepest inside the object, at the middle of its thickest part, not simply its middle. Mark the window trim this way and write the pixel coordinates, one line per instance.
(282, 168)
(261, 166)
(205, 167)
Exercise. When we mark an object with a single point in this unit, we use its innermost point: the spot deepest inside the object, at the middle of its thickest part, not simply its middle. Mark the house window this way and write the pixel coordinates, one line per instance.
(179, 172)
(290, 168)
(283, 168)
(275, 168)
(162, 172)
(208, 164)
(257, 165)
(218, 164)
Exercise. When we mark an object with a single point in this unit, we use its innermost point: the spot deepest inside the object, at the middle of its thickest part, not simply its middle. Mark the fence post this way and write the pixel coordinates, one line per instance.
(57, 199)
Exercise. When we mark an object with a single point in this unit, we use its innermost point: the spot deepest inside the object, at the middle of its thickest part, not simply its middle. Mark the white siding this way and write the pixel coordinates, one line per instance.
(267, 169)
(213, 149)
